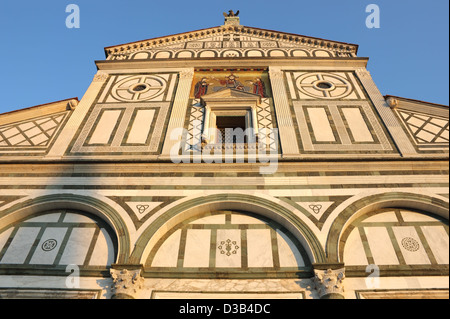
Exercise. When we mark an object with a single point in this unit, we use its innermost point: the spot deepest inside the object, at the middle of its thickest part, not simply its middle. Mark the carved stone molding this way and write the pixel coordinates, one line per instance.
(101, 77)
(126, 283)
(187, 74)
(329, 283)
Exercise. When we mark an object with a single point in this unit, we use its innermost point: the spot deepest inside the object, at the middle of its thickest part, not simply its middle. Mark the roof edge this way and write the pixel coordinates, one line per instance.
(413, 100)
(175, 38)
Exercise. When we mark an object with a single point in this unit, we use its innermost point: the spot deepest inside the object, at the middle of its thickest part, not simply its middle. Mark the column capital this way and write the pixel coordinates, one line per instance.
(126, 283)
(329, 283)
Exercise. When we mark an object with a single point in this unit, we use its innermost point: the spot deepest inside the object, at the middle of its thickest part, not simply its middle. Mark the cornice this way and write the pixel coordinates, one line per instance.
(233, 63)
(158, 42)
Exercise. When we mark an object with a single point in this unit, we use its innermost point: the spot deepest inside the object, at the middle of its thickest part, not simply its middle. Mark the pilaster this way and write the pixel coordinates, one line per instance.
(288, 138)
(70, 129)
(386, 113)
(179, 109)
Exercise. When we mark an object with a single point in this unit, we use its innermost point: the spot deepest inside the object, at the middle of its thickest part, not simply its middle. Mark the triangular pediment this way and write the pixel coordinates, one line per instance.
(231, 41)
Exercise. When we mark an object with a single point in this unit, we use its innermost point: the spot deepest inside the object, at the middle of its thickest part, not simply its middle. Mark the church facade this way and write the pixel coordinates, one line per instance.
(228, 162)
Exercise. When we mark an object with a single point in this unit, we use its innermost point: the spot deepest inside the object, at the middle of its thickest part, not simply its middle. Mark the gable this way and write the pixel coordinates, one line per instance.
(231, 42)
(426, 124)
(31, 131)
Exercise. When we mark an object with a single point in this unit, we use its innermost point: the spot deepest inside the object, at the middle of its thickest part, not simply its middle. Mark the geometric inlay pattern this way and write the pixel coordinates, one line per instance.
(35, 132)
(395, 237)
(57, 238)
(425, 128)
(228, 241)
(324, 85)
(139, 88)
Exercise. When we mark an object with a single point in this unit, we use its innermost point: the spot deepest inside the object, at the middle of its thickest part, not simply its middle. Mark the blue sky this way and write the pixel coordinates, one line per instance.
(42, 61)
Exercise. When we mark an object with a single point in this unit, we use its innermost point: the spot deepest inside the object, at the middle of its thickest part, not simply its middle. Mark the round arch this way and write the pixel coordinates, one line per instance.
(374, 202)
(87, 204)
(217, 202)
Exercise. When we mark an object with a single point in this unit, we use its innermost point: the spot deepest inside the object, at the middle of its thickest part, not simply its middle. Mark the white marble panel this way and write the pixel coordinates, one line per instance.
(259, 248)
(321, 125)
(381, 246)
(228, 253)
(357, 125)
(382, 218)
(289, 255)
(214, 219)
(197, 251)
(103, 253)
(141, 127)
(354, 253)
(167, 254)
(245, 219)
(77, 246)
(416, 217)
(77, 218)
(4, 237)
(20, 246)
(407, 238)
(47, 218)
(105, 127)
(437, 239)
(46, 256)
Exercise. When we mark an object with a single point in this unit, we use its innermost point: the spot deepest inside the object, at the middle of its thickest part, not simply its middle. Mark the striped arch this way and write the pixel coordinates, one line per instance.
(248, 203)
(76, 202)
(374, 202)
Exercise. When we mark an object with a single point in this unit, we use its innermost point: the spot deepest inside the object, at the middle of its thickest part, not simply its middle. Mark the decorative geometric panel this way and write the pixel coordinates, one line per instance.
(426, 129)
(122, 128)
(242, 45)
(323, 85)
(340, 127)
(33, 134)
(195, 126)
(141, 208)
(139, 88)
(151, 87)
(57, 238)
(228, 241)
(396, 237)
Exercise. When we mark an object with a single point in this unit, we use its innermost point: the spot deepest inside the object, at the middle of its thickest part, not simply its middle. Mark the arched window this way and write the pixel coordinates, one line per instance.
(228, 242)
(56, 239)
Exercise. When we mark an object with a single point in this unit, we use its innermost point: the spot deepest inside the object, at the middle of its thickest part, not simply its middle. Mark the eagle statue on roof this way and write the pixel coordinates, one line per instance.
(231, 14)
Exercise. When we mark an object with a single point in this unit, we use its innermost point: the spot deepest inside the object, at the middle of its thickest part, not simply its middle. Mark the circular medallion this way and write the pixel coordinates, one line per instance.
(49, 245)
(324, 85)
(410, 244)
(139, 88)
